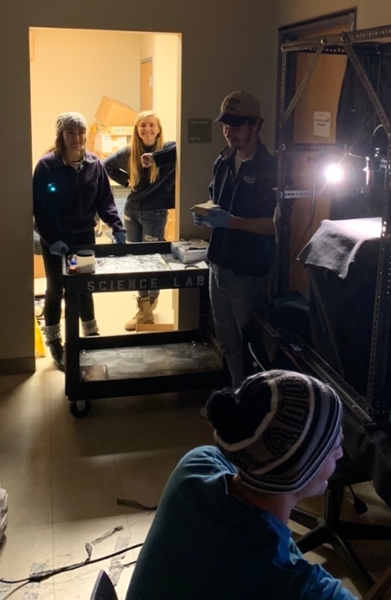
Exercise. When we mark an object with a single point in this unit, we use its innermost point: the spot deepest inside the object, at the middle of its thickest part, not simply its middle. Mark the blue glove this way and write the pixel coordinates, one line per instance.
(217, 217)
(120, 237)
(58, 248)
(198, 220)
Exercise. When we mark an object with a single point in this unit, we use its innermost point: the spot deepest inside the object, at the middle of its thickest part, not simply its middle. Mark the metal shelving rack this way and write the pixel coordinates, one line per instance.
(341, 44)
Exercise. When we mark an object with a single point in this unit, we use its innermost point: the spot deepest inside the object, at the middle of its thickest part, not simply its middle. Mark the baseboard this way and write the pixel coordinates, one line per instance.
(17, 366)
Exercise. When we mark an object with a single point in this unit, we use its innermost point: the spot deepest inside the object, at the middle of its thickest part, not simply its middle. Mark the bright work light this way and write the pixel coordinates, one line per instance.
(333, 173)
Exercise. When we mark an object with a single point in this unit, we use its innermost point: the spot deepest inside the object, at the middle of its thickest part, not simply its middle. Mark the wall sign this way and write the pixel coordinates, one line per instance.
(322, 123)
(199, 131)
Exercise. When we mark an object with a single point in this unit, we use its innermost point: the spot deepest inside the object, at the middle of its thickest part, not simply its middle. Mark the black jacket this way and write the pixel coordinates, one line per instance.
(251, 193)
(66, 201)
(147, 196)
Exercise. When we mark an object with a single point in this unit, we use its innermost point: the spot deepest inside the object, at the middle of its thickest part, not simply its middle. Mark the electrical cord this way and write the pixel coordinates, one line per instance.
(313, 198)
(295, 254)
(12, 592)
(43, 575)
(135, 504)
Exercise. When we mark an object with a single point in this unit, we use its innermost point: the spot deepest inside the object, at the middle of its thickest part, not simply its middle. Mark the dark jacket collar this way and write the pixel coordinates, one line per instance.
(59, 162)
(228, 154)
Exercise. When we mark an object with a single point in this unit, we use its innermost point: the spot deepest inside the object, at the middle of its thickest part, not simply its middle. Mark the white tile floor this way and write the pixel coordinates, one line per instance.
(64, 476)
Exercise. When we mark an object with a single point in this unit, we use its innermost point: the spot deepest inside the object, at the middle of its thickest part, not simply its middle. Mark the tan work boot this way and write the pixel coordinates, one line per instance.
(153, 300)
(143, 316)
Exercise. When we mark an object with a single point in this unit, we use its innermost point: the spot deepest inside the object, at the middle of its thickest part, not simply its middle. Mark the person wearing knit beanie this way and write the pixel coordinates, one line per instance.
(70, 187)
(71, 131)
(221, 527)
(68, 120)
(277, 428)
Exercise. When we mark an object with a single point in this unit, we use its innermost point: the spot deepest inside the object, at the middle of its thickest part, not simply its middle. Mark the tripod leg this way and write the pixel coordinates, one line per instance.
(351, 559)
(380, 587)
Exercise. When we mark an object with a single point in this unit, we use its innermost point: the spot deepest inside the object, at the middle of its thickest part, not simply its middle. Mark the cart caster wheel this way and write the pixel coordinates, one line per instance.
(80, 408)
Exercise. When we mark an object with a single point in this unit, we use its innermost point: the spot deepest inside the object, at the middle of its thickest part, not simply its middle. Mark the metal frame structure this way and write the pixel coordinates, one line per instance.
(341, 44)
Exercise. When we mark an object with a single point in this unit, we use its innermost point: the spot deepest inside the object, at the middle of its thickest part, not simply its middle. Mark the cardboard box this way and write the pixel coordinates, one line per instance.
(107, 144)
(111, 112)
(90, 143)
(115, 129)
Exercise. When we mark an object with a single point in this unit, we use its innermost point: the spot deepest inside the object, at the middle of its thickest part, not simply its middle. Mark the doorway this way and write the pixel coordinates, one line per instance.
(73, 69)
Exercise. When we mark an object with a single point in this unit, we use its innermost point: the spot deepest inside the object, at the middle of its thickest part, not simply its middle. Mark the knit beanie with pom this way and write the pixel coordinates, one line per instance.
(277, 428)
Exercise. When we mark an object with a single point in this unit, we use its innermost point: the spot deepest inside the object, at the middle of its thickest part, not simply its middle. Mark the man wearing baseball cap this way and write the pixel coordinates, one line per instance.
(221, 528)
(242, 240)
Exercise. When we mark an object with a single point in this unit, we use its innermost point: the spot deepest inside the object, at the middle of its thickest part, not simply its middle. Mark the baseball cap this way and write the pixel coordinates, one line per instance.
(237, 107)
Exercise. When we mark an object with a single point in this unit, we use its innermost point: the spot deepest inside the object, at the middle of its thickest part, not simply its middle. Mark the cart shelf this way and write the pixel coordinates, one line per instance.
(140, 363)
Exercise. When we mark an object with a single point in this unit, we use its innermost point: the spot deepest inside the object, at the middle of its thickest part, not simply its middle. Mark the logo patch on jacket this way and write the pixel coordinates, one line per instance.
(248, 179)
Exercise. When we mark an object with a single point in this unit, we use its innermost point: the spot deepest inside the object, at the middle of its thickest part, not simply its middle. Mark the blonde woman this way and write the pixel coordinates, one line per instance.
(147, 168)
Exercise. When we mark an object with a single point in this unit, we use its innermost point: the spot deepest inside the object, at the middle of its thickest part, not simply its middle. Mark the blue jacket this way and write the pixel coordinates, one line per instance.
(66, 200)
(248, 194)
(205, 544)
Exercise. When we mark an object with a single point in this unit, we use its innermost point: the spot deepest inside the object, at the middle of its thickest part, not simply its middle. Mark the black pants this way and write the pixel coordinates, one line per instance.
(55, 280)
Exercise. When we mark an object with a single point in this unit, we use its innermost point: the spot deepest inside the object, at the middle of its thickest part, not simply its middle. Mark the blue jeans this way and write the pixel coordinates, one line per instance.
(145, 226)
(233, 299)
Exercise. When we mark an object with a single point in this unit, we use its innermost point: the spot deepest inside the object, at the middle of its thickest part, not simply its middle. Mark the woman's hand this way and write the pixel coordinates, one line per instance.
(58, 248)
(147, 159)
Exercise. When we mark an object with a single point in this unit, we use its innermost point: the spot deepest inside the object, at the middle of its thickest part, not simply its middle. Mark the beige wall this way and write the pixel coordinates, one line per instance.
(165, 51)
(166, 80)
(71, 69)
(213, 63)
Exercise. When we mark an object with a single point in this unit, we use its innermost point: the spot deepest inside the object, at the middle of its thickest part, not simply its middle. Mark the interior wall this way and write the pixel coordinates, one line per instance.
(165, 52)
(213, 64)
(166, 68)
(72, 69)
(369, 14)
(148, 43)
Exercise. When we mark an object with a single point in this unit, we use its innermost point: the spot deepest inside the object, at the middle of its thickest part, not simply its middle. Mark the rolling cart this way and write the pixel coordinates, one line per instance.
(137, 363)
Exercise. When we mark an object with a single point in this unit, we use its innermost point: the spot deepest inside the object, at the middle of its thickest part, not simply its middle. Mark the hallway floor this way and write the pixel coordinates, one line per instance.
(64, 476)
